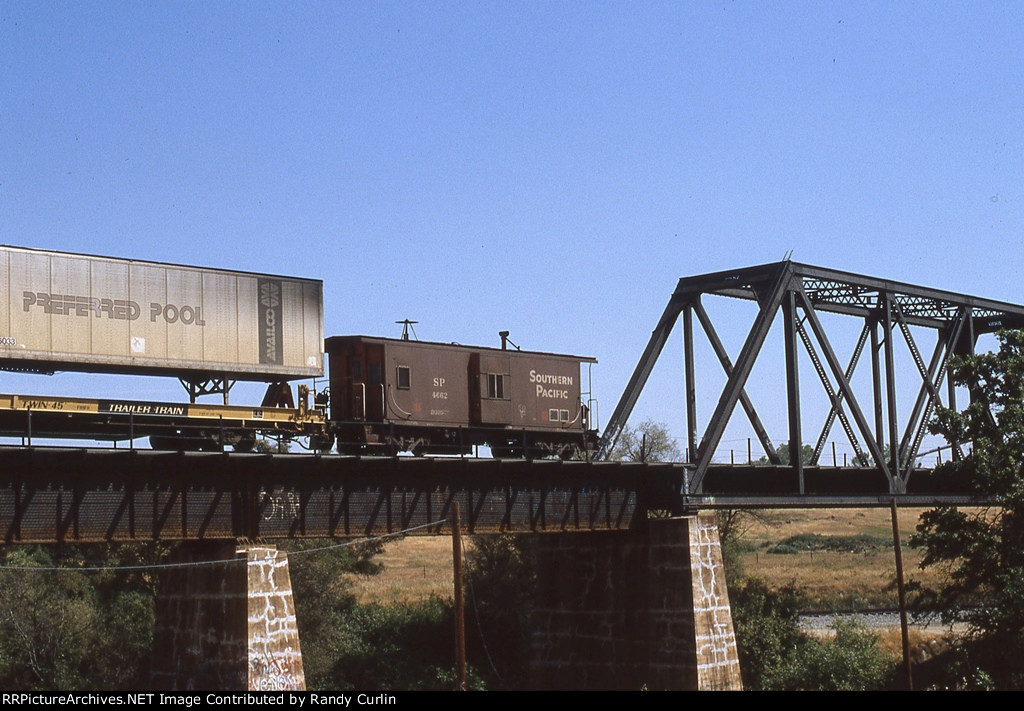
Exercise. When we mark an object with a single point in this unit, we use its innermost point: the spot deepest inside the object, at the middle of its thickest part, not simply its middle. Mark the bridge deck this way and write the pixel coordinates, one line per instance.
(63, 494)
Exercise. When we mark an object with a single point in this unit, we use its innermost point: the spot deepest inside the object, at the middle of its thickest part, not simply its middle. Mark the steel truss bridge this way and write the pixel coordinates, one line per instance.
(79, 495)
(796, 294)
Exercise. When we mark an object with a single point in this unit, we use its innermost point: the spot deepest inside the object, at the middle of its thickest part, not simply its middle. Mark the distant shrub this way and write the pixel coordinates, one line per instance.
(818, 542)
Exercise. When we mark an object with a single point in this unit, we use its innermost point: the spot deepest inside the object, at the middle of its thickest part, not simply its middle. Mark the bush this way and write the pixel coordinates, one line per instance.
(399, 647)
(818, 542)
(775, 654)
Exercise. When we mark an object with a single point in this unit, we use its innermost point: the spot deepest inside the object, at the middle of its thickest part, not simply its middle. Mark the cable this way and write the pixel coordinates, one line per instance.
(157, 566)
(480, 630)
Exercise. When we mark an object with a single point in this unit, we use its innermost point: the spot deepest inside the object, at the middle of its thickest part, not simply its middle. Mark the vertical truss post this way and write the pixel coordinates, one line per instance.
(789, 317)
(734, 386)
(691, 383)
(890, 387)
(955, 452)
(876, 383)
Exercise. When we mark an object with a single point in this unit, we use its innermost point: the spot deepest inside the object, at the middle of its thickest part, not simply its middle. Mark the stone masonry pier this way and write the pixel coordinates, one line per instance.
(225, 620)
(634, 610)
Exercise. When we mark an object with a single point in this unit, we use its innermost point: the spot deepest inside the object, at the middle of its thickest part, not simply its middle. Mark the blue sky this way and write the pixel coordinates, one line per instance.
(549, 168)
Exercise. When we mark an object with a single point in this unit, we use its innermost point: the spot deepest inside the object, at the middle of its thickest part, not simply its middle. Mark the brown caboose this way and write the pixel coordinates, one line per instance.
(390, 395)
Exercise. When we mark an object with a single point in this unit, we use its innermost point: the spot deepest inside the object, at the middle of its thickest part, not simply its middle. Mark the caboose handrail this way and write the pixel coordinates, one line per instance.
(394, 405)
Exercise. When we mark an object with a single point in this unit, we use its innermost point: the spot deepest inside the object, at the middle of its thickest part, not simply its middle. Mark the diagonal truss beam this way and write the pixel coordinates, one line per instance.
(844, 386)
(741, 371)
(837, 403)
(639, 378)
(748, 406)
(932, 376)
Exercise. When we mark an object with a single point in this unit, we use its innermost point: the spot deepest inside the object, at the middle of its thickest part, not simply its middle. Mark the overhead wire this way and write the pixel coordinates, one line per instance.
(186, 564)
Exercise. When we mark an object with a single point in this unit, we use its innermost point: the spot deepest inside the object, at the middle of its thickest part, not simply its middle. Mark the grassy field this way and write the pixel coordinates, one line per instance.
(415, 568)
(842, 558)
(861, 574)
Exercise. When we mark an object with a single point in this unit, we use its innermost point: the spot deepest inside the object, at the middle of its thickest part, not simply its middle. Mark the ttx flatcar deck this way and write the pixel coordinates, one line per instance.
(168, 425)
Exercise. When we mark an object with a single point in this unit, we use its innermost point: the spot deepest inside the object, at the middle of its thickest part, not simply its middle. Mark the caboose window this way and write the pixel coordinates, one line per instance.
(404, 377)
(553, 415)
(495, 386)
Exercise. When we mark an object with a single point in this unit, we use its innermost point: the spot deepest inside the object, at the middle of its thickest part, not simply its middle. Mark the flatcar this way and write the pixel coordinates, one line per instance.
(389, 395)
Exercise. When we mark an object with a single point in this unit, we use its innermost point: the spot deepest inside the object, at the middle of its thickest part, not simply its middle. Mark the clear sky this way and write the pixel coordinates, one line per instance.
(550, 168)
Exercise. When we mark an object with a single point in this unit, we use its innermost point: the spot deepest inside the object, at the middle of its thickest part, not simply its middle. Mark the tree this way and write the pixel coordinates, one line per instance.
(649, 441)
(981, 551)
(806, 452)
(501, 575)
(269, 446)
(62, 628)
(324, 603)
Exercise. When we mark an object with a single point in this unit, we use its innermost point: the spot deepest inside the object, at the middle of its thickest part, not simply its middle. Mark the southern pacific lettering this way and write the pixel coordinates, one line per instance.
(119, 309)
(541, 380)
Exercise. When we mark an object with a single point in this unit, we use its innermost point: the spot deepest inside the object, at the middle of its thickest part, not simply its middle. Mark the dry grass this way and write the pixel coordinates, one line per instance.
(415, 568)
(418, 567)
(831, 579)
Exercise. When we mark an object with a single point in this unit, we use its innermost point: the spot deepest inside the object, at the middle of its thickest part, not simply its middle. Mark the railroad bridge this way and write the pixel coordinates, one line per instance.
(618, 517)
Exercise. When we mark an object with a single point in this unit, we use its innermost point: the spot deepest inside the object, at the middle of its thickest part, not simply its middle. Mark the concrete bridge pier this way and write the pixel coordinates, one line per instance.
(225, 620)
(635, 609)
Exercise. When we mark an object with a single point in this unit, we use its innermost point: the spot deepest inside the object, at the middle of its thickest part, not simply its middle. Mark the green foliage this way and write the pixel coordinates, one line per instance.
(981, 553)
(399, 647)
(75, 629)
(851, 661)
(767, 625)
(502, 584)
(271, 446)
(775, 654)
(649, 441)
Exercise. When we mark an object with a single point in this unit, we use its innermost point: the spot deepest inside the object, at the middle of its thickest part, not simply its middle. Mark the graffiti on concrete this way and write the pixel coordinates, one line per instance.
(273, 673)
(275, 660)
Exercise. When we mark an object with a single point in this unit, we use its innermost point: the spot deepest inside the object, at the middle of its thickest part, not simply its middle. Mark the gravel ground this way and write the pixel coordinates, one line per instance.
(884, 619)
